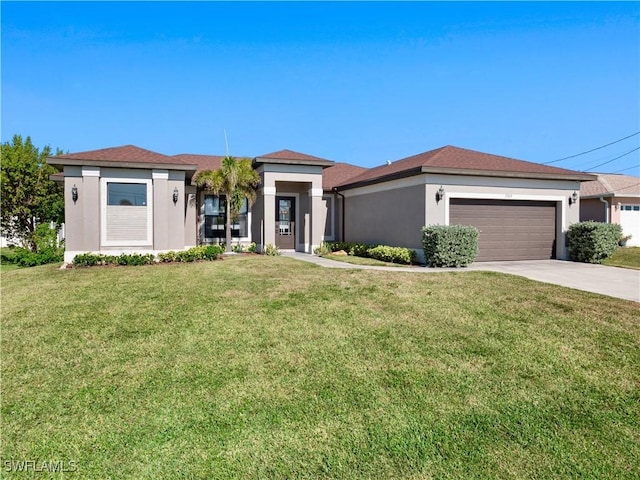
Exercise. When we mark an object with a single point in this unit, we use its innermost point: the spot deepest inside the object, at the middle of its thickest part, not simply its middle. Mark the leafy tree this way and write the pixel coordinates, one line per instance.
(29, 197)
(237, 181)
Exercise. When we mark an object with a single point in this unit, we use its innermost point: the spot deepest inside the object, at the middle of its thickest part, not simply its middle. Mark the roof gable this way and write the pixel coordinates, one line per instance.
(291, 155)
(125, 153)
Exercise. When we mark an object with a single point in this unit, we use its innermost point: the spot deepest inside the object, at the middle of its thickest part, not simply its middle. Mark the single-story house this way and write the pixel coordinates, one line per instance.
(613, 198)
(127, 199)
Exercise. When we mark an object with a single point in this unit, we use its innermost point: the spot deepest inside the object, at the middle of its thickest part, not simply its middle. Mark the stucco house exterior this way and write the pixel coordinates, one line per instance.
(613, 198)
(127, 199)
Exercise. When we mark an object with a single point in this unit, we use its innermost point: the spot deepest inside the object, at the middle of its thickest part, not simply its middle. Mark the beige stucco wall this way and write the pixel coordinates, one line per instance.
(84, 219)
(394, 212)
(593, 209)
(389, 217)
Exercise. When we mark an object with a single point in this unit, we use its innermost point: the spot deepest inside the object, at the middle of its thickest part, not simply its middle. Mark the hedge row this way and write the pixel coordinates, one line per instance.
(592, 242)
(450, 245)
(208, 252)
(203, 252)
(384, 253)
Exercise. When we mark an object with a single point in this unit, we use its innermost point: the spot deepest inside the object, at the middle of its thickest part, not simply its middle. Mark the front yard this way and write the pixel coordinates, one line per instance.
(266, 367)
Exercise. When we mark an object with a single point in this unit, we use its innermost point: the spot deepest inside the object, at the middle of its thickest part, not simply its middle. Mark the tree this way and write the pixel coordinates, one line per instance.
(237, 181)
(29, 196)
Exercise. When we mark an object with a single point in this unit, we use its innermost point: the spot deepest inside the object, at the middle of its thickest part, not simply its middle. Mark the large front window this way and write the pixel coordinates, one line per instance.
(127, 217)
(127, 194)
(215, 208)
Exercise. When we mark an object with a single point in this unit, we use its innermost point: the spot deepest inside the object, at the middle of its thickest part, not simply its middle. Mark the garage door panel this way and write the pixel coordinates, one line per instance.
(509, 230)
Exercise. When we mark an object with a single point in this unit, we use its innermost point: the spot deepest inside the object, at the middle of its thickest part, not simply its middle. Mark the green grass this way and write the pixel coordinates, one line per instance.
(361, 261)
(266, 367)
(628, 257)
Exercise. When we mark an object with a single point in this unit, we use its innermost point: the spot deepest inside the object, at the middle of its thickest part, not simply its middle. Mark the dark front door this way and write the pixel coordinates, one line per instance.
(285, 223)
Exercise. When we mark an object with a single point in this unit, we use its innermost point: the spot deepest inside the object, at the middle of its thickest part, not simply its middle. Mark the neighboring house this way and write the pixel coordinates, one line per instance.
(127, 199)
(613, 199)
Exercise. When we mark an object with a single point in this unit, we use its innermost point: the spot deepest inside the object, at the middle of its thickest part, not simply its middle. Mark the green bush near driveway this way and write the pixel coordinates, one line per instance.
(384, 253)
(450, 245)
(592, 242)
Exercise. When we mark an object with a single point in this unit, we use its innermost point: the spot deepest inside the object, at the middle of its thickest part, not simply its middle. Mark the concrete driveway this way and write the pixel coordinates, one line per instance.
(616, 282)
(613, 281)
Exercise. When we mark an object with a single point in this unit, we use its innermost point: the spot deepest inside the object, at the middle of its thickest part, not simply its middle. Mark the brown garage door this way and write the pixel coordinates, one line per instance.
(509, 229)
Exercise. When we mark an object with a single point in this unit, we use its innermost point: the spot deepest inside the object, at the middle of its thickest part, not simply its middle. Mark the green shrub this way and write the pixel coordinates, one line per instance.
(252, 247)
(136, 259)
(323, 249)
(210, 252)
(8, 255)
(392, 254)
(271, 250)
(237, 248)
(47, 249)
(86, 260)
(167, 257)
(450, 245)
(592, 242)
(352, 248)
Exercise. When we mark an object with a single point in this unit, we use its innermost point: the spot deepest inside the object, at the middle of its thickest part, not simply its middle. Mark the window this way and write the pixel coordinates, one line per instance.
(127, 194)
(126, 212)
(215, 217)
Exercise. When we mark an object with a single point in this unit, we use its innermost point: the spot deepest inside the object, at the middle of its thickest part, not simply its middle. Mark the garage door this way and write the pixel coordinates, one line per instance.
(509, 229)
(630, 223)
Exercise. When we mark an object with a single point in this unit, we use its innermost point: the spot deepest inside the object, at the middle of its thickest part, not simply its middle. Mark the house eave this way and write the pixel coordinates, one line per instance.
(580, 177)
(282, 161)
(61, 161)
(472, 172)
(610, 195)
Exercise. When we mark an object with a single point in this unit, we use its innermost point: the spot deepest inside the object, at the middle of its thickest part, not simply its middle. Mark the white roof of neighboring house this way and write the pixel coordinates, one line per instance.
(611, 185)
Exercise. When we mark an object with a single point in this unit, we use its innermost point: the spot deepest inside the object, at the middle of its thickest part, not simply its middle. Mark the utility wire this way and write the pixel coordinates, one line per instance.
(625, 169)
(589, 151)
(609, 161)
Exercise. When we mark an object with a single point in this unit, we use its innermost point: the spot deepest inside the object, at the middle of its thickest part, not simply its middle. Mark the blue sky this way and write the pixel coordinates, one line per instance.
(355, 82)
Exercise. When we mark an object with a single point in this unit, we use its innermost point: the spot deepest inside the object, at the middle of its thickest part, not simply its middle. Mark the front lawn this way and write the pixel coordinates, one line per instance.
(628, 257)
(267, 367)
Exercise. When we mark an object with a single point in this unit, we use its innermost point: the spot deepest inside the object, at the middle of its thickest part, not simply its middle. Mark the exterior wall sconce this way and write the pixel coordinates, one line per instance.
(573, 198)
(618, 205)
(440, 194)
(175, 195)
(74, 194)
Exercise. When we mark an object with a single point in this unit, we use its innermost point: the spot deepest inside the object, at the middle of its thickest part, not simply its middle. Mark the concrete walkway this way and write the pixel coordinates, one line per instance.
(616, 282)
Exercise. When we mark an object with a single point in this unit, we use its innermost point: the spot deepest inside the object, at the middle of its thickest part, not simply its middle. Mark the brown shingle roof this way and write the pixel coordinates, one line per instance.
(202, 162)
(609, 184)
(291, 155)
(453, 160)
(126, 153)
(339, 173)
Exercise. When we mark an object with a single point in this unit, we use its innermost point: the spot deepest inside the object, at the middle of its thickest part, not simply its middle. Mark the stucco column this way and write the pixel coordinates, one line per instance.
(317, 217)
(190, 217)
(90, 195)
(268, 216)
(160, 209)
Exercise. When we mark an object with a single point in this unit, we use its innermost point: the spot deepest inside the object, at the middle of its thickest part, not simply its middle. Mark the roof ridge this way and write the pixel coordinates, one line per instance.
(605, 183)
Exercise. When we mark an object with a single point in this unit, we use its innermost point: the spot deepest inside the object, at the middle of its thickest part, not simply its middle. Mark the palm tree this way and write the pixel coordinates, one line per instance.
(237, 181)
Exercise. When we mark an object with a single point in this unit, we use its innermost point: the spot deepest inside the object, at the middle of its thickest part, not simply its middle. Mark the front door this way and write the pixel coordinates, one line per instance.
(285, 223)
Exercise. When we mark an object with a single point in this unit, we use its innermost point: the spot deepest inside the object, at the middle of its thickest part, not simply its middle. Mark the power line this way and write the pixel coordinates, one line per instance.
(625, 169)
(619, 156)
(592, 150)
